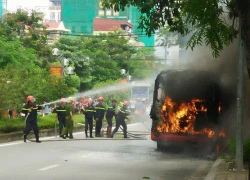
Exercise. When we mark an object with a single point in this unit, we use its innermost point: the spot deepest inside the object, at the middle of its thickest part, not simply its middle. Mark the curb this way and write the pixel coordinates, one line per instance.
(15, 136)
(212, 172)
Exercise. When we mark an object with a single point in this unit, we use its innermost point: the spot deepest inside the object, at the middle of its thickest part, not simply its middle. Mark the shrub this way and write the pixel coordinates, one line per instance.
(46, 122)
(246, 148)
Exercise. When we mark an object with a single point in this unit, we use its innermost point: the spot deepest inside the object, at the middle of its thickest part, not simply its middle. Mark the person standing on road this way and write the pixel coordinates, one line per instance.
(110, 113)
(30, 111)
(61, 115)
(89, 112)
(99, 115)
(120, 119)
(69, 121)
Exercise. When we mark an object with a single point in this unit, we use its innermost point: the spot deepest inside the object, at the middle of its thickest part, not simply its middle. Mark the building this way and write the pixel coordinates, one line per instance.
(2, 7)
(51, 9)
(55, 30)
(81, 15)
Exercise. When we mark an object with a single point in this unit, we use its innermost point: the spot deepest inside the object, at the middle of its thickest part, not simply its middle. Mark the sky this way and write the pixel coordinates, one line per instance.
(12, 5)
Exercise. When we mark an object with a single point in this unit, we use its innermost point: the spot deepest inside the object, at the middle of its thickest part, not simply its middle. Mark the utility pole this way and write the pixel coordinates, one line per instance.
(240, 83)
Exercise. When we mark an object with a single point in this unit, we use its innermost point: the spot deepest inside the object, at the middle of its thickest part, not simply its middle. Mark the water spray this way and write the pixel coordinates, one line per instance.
(93, 92)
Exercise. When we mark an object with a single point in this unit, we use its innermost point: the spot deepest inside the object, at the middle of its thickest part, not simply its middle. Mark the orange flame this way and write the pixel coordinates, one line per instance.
(181, 118)
(222, 133)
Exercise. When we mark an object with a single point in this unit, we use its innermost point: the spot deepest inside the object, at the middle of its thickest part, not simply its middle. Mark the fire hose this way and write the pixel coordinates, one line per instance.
(133, 135)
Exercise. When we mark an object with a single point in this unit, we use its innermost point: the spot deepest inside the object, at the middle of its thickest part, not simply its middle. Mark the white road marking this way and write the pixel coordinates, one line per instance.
(133, 124)
(10, 144)
(49, 167)
(51, 137)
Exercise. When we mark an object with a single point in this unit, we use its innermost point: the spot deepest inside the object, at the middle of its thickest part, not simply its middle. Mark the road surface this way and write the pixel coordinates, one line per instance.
(99, 159)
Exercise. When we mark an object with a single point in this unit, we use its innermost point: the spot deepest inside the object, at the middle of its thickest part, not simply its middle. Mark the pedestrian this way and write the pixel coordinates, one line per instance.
(68, 129)
(61, 115)
(110, 113)
(99, 115)
(89, 112)
(30, 111)
(120, 119)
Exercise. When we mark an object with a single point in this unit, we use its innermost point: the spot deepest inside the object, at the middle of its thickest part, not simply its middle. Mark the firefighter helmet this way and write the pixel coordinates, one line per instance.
(100, 98)
(30, 98)
(125, 103)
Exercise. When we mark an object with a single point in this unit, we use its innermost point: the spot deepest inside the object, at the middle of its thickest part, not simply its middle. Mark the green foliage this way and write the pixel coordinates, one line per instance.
(12, 52)
(246, 148)
(27, 28)
(97, 59)
(16, 83)
(203, 20)
(72, 81)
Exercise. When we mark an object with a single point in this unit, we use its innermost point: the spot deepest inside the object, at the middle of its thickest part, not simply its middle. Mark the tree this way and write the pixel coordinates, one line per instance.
(202, 19)
(17, 83)
(28, 28)
(97, 59)
(12, 52)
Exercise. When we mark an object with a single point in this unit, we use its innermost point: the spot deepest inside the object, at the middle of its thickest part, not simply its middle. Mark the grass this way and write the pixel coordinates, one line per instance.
(46, 122)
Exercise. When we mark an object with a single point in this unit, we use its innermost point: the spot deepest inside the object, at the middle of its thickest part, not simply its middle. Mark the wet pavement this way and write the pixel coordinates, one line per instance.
(101, 159)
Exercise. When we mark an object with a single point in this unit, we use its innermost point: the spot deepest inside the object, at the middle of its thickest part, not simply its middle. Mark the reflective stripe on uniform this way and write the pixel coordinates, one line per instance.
(100, 108)
(60, 110)
(90, 110)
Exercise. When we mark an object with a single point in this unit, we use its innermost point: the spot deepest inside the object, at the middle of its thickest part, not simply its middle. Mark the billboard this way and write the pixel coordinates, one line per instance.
(56, 70)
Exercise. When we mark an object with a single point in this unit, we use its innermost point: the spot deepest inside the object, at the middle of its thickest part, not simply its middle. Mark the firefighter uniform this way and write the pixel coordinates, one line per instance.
(69, 122)
(30, 111)
(99, 115)
(110, 113)
(61, 115)
(89, 112)
(120, 121)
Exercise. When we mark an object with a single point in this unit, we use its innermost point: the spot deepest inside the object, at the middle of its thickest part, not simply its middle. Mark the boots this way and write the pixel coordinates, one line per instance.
(86, 133)
(24, 138)
(108, 132)
(91, 134)
(37, 139)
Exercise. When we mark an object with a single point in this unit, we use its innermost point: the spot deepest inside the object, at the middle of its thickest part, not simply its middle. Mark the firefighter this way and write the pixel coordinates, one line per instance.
(69, 120)
(99, 115)
(61, 115)
(120, 119)
(110, 113)
(89, 112)
(30, 111)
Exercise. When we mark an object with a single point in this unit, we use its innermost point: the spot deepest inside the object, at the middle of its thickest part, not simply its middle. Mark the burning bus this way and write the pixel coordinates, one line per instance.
(186, 107)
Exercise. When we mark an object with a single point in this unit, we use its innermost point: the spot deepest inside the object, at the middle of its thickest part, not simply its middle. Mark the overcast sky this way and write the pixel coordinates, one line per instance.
(12, 5)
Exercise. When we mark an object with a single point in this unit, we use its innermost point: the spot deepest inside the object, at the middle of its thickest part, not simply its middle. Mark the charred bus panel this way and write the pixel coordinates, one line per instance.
(186, 106)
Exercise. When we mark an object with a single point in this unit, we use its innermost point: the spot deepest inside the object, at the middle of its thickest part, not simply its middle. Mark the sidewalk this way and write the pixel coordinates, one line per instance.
(222, 170)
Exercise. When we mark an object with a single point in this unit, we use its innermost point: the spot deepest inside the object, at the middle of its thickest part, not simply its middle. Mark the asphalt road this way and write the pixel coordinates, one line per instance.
(97, 159)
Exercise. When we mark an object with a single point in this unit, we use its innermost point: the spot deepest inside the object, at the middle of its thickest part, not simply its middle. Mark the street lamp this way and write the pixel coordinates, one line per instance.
(64, 61)
(124, 73)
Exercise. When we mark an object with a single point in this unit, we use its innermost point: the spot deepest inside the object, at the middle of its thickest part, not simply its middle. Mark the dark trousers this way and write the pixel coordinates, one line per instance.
(109, 121)
(29, 126)
(98, 127)
(124, 127)
(62, 124)
(88, 125)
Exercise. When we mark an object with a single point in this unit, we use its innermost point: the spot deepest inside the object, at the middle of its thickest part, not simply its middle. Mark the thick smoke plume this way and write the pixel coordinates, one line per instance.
(225, 67)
